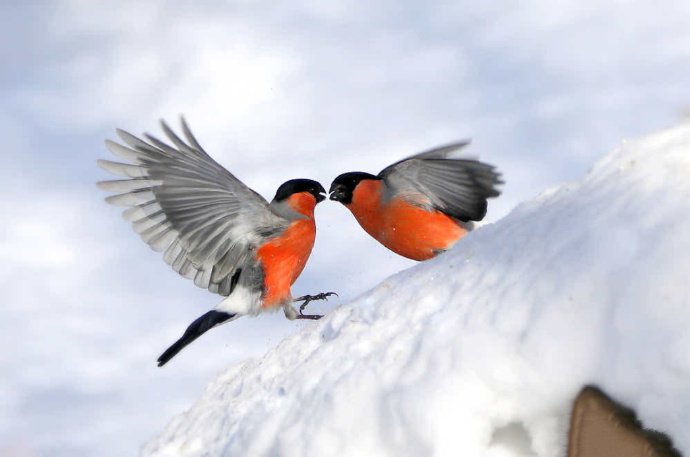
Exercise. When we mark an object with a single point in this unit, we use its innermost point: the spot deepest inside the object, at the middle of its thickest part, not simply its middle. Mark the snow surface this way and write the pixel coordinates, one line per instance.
(587, 283)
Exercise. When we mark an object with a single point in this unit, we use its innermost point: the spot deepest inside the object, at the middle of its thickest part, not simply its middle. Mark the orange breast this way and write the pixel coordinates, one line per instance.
(283, 259)
(302, 202)
(416, 233)
(405, 229)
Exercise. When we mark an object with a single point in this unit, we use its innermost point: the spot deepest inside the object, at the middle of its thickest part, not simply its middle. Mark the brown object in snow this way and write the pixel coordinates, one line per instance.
(601, 427)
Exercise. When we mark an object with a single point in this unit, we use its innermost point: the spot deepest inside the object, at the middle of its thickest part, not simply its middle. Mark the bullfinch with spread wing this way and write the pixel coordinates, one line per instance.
(214, 229)
(420, 206)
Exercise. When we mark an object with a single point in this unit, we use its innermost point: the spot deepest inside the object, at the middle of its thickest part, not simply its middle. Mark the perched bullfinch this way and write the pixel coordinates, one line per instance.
(214, 229)
(420, 206)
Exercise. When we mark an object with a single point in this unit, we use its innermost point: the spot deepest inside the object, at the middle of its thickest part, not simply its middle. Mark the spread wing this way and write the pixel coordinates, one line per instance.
(457, 186)
(183, 203)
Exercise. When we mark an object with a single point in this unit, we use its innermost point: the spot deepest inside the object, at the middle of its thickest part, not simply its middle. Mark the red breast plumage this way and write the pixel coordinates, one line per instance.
(285, 256)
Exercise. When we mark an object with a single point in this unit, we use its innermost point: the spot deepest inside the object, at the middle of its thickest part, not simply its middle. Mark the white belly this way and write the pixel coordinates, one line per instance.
(242, 300)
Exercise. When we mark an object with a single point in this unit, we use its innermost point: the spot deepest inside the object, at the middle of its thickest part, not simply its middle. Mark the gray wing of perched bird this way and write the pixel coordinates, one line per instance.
(458, 187)
(183, 203)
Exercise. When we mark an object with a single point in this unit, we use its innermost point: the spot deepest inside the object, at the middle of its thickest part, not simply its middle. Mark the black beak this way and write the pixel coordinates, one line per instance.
(321, 196)
(338, 192)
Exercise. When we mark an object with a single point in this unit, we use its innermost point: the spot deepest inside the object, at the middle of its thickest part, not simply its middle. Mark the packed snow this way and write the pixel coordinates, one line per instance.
(481, 351)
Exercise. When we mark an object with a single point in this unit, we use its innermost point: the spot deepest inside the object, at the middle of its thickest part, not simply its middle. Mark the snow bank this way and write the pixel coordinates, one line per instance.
(588, 283)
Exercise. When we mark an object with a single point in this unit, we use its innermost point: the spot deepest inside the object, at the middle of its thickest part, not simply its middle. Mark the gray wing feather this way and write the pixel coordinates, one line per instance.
(183, 203)
(457, 186)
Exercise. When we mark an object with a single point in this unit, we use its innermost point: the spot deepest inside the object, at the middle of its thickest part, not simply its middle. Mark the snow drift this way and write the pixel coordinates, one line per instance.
(481, 350)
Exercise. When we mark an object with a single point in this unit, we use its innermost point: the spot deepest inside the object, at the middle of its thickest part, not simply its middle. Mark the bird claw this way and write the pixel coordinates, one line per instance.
(309, 298)
(313, 317)
(319, 296)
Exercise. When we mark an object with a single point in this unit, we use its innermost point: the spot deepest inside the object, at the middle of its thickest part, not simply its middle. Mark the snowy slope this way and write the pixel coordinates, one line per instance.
(588, 283)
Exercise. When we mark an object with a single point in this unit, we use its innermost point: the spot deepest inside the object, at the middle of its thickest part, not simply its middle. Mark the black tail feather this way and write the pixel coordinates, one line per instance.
(197, 328)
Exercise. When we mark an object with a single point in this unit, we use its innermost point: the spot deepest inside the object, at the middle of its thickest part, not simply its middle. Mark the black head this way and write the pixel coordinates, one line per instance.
(343, 186)
(295, 186)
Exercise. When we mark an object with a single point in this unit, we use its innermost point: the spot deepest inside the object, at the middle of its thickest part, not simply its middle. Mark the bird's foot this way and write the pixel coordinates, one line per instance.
(308, 299)
(313, 317)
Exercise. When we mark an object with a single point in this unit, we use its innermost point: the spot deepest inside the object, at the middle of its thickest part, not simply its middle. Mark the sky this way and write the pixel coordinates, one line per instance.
(273, 91)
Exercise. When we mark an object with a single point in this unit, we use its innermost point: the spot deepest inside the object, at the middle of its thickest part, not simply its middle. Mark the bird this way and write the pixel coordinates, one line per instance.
(214, 229)
(422, 205)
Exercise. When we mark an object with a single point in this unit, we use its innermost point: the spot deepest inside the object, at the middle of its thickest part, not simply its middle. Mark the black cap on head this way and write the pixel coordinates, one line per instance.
(343, 186)
(295, 186)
